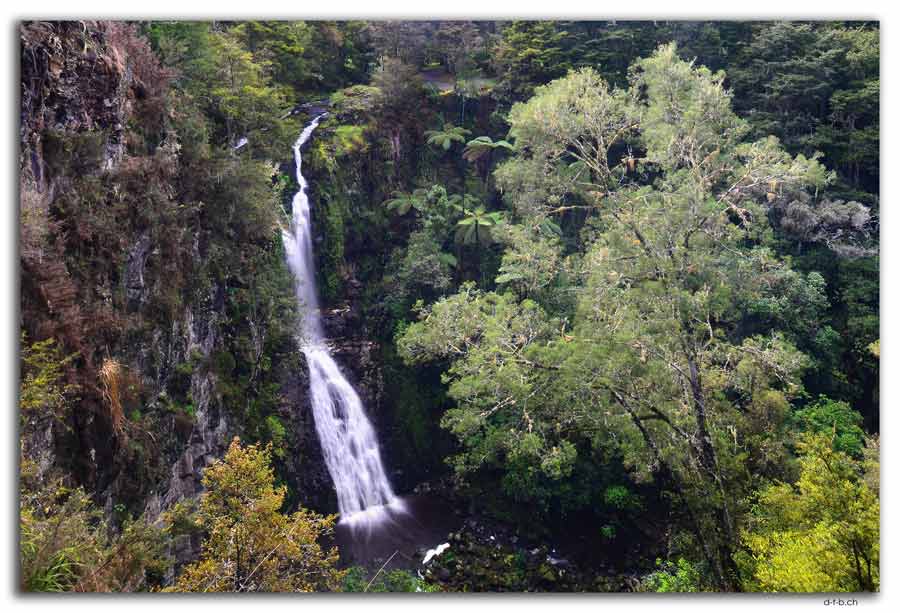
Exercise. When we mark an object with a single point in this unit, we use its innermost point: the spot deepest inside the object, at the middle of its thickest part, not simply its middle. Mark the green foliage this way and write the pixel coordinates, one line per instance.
(339, 53)
(66, 545)
(447, 136)
(836, 420)
(495, 431)
(662, 344)
(403, 40)
(403, 202)
(185, 46)
(689, 107)
(261, 314)
(250, 544)
(621, 498)
(239, 75)
(281, 47)
(608, 531)
(240, 91)
(357, 580)
(421, 269)
(483, 146)
(529, 53)
(42, 390)
(335, 217)
(476, 225)
(680, 576)
(820, 534)
(277, 434)
(565, 134)
(814, 85)
(348, 140)
(532, 262)
(452, 234)
(355, 103)
(399, 91)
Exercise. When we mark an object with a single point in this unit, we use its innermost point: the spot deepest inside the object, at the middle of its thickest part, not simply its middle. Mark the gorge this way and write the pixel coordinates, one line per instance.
(448, 306)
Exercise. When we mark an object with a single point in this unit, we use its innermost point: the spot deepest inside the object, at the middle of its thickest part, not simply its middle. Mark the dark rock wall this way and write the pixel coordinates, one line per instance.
(74, 82)
(83, 81)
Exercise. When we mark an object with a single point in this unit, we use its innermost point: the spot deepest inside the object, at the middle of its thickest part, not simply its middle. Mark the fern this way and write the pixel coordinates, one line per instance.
(446, 137)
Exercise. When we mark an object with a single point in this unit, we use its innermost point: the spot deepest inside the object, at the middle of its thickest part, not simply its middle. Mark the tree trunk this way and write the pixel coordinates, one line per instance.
(710, 464)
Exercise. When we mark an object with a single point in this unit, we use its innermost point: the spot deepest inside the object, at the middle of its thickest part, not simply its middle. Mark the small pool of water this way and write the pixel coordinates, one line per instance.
(399, 529)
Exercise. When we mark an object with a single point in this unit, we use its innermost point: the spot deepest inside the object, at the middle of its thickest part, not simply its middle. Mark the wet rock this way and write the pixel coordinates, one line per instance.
(196, 335)
(304, 463)
(135, 288)
(310, 109)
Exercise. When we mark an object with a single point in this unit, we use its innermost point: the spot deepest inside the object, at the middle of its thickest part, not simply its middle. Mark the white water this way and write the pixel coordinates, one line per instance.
(347, 438)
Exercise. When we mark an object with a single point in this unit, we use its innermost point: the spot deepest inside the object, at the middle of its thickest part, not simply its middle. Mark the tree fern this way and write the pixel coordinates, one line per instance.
(479, 147)
(446, 137)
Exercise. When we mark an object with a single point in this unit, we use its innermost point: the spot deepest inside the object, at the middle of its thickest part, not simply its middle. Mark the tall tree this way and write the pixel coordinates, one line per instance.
(528, 54)
(655, 353)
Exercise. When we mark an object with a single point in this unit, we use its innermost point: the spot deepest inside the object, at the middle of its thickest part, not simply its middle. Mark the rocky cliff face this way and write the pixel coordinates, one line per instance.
(208, 437)
(79, 88)
(123, 283)
(76, 77)
(119, 280)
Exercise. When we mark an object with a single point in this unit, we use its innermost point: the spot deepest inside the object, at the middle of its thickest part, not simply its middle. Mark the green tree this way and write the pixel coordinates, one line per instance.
(457, 45)
(483, 146)
(421, 269)
(186, 47)
(242, 94)
(250, 544)
(480, 151)
(280, 47)
(403, 40)
(836, 420)
(529, 53)
(437, 211)
(403, 202)
(476, 225)
(532, 262)
(814, 85)
(655, 353)
(820, 534)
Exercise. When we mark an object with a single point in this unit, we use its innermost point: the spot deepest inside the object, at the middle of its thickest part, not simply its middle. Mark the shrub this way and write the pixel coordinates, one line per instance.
(251, 546)
(680, 576)
(66, 545)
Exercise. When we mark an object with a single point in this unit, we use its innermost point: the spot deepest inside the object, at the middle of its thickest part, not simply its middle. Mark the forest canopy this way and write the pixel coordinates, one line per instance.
(608, 291)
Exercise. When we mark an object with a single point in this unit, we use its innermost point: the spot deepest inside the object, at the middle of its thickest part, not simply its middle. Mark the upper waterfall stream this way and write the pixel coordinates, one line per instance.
(348, 439)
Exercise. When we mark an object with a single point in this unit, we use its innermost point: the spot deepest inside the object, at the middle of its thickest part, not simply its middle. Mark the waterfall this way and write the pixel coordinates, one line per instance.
(348, 440)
